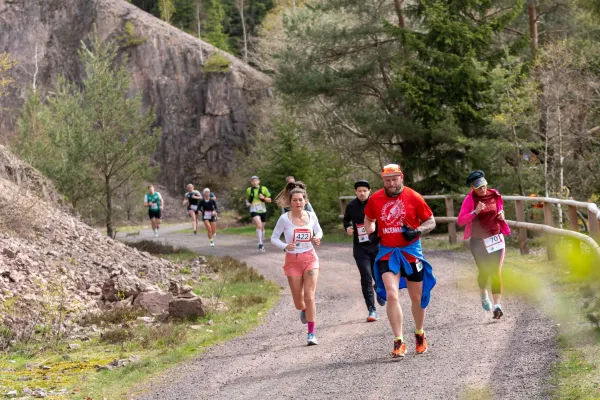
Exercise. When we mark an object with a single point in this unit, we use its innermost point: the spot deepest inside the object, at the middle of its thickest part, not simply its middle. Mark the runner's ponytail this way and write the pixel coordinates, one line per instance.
(284, 198)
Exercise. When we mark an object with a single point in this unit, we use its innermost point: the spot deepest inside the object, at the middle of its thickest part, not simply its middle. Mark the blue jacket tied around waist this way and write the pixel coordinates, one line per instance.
(397, 261)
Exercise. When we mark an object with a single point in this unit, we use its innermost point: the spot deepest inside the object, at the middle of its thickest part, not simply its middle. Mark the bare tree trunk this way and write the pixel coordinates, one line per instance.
(398, 7)
(241, 7)
(35, 72)
(561, 160)
(110, 230)
(198, 8)
(533, 31)
(546, 155)
(518, 162)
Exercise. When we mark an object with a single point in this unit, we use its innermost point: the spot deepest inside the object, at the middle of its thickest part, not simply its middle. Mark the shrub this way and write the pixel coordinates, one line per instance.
(129, 37)
(161, 336)
(216, 62)
(112, 317)
(156, 247)
(235, 270)
(117, 336)
(249, 300)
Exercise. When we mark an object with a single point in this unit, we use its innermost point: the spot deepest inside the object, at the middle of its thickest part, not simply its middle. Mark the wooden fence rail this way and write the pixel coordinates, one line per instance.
(547, 228)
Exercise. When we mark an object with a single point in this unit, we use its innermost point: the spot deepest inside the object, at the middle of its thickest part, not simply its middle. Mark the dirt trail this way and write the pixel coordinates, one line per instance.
(467, 349)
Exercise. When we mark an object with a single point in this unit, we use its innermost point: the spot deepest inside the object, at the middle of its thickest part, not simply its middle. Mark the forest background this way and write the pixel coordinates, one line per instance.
(441, 87)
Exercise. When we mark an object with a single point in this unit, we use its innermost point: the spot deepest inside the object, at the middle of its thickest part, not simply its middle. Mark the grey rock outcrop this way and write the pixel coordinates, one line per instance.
(187, 308)
(155, 302)
(204, 116)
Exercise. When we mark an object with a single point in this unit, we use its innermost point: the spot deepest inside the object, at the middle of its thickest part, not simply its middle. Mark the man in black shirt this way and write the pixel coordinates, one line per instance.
(365, 246)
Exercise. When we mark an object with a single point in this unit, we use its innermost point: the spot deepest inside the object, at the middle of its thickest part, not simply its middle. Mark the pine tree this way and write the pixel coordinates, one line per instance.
(96, 136)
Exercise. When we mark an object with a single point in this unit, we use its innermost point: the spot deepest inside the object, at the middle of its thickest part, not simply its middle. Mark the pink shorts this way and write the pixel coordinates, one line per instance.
(297, 264)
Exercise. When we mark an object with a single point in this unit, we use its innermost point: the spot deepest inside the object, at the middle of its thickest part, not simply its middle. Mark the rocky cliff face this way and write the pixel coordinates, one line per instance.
(204, 116)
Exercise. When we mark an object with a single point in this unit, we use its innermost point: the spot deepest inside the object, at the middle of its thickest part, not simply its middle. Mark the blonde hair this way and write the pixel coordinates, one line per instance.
(206, 190)
(284, 198)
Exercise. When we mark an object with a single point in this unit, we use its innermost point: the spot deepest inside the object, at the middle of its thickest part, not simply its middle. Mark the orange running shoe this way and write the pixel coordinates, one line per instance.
(421, 343)
(399, 349)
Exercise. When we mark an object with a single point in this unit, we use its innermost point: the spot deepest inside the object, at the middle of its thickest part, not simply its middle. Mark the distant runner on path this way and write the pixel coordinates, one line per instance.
(256, 198)
(192, 200)
(402, 216)
(301, 230)
(208, 208)
(154, 201)
(482, 212)
(365, 246)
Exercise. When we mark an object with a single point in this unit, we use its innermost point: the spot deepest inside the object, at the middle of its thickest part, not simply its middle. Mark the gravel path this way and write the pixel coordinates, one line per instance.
(468, 351)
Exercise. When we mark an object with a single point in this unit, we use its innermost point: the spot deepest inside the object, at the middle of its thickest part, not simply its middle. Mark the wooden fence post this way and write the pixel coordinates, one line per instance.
(549, 220)
(519, 206)
(594, 226)
(574, 226)
(343, 203)
(451, 225)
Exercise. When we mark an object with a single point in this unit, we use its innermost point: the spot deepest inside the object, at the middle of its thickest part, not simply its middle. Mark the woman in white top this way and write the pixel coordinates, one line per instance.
(302, 231)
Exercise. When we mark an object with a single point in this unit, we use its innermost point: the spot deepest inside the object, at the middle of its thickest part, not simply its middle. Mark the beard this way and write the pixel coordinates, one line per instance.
(393, 193)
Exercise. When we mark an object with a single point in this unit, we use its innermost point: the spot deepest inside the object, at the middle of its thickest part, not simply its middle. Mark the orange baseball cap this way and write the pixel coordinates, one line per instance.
(391, 170)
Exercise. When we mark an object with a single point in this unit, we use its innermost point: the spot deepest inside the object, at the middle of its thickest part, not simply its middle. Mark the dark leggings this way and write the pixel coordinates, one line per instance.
(364, 262)
(488, 264)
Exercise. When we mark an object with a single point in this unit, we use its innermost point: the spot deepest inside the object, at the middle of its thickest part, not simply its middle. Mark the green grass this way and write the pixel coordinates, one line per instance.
(246, 230)
(247, 295)
(334, 236)
(558, 287)
(441, 242)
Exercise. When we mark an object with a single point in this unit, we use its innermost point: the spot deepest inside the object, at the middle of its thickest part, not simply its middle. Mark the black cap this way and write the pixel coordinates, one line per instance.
(362, 183)
(476, 179)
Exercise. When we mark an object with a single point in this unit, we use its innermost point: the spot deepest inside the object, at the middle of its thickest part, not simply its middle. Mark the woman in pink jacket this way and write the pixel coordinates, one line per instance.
(482, 212)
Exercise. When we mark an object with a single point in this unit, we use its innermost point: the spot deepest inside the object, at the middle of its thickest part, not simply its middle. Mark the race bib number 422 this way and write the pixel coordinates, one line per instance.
(302, 238)
(494, 243)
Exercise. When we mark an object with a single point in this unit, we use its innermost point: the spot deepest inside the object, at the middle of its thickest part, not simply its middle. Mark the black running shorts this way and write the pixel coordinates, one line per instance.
(263, 216)
(153, 214)
(416, 276)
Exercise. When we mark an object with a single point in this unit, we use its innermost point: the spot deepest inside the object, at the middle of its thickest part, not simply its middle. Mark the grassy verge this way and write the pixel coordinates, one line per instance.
(236, 297)
(333, 236)
(559, 287)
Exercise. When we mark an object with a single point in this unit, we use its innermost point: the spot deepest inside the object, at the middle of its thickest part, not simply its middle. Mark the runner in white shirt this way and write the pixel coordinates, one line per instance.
(302, 232)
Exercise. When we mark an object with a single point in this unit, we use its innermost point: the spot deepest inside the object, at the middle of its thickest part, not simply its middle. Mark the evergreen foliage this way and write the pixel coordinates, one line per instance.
(92, 139)
(220, 20)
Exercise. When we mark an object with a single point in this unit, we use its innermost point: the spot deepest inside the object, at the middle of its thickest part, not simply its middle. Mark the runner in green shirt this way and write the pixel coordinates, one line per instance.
(256, 198)
(154, 201)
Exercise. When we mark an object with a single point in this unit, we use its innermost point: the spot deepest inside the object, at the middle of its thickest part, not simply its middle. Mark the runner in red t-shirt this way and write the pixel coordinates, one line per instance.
(402, 216)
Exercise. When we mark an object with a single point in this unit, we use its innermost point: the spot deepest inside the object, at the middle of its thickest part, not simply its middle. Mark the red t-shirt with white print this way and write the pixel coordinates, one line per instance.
(391, 213)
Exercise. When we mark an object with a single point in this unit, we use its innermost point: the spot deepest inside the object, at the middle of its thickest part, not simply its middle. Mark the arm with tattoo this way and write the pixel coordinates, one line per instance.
(427, 226)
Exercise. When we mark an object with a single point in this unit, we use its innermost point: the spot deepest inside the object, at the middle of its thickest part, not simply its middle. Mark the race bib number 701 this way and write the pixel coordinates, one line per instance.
(494, 243)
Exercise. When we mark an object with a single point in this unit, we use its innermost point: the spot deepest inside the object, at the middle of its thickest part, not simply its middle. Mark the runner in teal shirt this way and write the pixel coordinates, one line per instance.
(154, 201)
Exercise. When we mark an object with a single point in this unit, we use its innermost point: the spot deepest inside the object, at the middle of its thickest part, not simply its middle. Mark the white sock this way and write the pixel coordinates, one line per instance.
(259, 234)
(497, 306)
